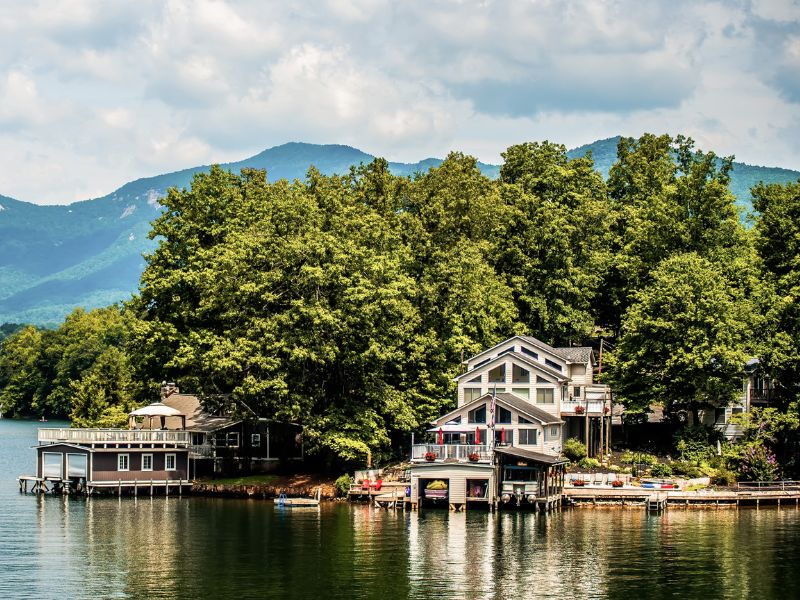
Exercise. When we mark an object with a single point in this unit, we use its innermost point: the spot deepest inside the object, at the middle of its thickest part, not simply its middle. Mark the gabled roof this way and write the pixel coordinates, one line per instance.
(86, 448)
(522, 358)
(197, 419)
(510, 401)
(525, 338)
(576, 354)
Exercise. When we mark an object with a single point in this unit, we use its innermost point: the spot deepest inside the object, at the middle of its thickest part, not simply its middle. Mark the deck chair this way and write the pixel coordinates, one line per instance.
(611, 477)
(598, 479)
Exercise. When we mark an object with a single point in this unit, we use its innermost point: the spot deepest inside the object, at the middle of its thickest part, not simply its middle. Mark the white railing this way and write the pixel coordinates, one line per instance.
(113, 436)
(451, 451)
(593, 407)
(204, 450)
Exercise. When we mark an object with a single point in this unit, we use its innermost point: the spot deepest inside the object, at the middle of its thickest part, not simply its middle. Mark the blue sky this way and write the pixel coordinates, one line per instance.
(94, 94)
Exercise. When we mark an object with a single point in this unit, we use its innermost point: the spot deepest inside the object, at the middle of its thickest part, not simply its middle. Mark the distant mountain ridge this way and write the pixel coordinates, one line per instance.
(89, 253)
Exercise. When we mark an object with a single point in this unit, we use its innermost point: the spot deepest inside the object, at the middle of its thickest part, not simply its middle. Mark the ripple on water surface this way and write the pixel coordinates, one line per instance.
(214, 548)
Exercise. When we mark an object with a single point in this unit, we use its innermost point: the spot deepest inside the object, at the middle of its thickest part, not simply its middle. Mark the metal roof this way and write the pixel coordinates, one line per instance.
(529, 455)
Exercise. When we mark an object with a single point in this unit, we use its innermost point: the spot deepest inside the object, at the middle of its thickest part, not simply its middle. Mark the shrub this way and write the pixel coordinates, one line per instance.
(342, 485)
(589, 463)
(638, 458)
(661, 470)
(574, 449)
(685, 469)
(724, 476)
(758, 463)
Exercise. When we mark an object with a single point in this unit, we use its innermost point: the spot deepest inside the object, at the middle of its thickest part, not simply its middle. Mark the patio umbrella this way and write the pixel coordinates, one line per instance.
(440, 437)
(477, 435)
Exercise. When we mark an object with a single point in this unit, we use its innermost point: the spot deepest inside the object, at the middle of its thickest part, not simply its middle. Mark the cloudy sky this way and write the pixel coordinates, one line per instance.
(94, 94)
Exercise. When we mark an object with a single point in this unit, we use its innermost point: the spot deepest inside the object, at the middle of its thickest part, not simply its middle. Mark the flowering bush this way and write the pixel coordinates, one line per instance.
(758, 463)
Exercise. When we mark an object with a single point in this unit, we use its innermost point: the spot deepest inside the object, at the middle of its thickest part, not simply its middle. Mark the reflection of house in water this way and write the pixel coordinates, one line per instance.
(517, 403)
(167, 444)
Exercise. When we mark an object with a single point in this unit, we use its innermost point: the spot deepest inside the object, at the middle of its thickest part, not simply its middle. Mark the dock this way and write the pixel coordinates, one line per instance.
(661, 500)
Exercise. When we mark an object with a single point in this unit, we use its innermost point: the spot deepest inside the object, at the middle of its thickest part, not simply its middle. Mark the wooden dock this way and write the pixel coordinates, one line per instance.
(657, 501)
(56, 485)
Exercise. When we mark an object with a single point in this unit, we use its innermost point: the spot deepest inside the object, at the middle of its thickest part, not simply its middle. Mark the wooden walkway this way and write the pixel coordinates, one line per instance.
(661, 499)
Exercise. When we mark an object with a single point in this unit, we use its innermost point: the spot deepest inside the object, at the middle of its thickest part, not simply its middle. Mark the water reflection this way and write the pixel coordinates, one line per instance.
(53, 547)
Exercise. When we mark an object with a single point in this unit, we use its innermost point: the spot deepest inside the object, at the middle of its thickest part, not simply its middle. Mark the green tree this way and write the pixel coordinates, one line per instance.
(553, 246)
(21, 380)
(777, 233)
(684, 339)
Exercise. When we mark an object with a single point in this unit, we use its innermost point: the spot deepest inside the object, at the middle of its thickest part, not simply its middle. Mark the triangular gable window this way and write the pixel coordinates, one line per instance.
(475, 380)
(529, 352)
(540, 379)
(552, 365)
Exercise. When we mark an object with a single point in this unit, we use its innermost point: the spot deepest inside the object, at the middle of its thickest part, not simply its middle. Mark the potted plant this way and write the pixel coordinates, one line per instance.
(473, 456)
(617, 483)
(430, 456)
(579, 410)
(578, 482)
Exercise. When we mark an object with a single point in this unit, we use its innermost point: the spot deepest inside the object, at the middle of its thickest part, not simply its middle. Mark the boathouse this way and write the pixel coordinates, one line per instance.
(90, 460)
(517, 403)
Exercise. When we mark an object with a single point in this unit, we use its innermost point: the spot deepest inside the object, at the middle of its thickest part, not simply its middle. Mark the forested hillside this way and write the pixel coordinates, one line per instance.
(89, 254)
(345, 302)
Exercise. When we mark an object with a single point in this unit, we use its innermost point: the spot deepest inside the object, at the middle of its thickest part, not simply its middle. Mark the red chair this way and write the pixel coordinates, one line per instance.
(378, 485)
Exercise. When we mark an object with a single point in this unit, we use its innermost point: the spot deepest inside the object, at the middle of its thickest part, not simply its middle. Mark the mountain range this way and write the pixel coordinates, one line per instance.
(89, 253)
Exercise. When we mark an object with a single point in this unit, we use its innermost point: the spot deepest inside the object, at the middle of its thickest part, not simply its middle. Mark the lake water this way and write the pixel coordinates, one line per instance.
(53, 547)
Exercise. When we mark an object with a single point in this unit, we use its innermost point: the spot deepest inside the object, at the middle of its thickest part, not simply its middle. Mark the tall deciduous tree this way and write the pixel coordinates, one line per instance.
(553, 244)
(684, 339)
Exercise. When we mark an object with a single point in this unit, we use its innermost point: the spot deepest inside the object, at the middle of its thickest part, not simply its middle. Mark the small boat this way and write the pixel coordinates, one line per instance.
(285, 502)
(42, 420)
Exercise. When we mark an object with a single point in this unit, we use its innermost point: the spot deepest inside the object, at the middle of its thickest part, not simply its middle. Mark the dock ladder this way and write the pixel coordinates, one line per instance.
(657, 503)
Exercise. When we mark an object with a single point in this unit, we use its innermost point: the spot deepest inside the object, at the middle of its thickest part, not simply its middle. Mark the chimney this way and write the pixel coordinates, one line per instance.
(167, 389)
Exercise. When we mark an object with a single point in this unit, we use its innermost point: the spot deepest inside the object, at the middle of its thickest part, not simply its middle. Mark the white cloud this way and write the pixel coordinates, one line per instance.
(93, 94)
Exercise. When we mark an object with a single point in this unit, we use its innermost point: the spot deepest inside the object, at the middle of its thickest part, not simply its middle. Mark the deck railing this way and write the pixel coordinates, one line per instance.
(452, 451)
(113, 436)
(744, 486)
(140, 476)
(593, 407)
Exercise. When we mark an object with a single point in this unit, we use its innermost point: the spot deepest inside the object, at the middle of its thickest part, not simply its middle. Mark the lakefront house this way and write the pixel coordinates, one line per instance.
(166, 445)
(517, 403)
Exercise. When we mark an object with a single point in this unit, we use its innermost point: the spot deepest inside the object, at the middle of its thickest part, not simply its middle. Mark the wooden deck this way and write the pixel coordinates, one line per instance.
(674, 498)
(359, 492)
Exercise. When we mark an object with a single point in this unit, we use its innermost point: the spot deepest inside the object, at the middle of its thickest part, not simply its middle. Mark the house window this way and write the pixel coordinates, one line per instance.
(498, 374)
(506, 351)
(527, 437)
(554, 432)
(523, 393)
(255, 440)
(475, 379)
(529, 352)
(521, 419)
(520, 375)
(477, 415)
(198, 439)
(233, 439)
(576, 391)
(471, 394)
(169, 462)
(503, 415)
(545, 396)
(123, 462)
(542, 380)
(147, 462)
(552, 365)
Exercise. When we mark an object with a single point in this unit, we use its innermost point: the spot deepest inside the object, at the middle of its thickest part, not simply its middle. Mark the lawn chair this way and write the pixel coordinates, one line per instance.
(598, 478)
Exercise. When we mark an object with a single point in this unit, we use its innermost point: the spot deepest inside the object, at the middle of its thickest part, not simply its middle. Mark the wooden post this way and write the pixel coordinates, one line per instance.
(151, 488)
(119, 488)
(166, 487)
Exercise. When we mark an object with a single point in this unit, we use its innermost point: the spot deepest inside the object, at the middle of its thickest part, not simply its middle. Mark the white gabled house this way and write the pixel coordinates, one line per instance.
(517, 403)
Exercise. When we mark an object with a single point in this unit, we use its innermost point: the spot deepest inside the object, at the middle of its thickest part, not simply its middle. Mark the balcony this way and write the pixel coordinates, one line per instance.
(580, 407)
(114, 436)
(450, 452)
(761, 395)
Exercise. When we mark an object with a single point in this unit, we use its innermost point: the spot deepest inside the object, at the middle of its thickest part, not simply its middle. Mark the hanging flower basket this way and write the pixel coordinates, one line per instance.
(473, 456)
(579, 410)
(430, 456)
